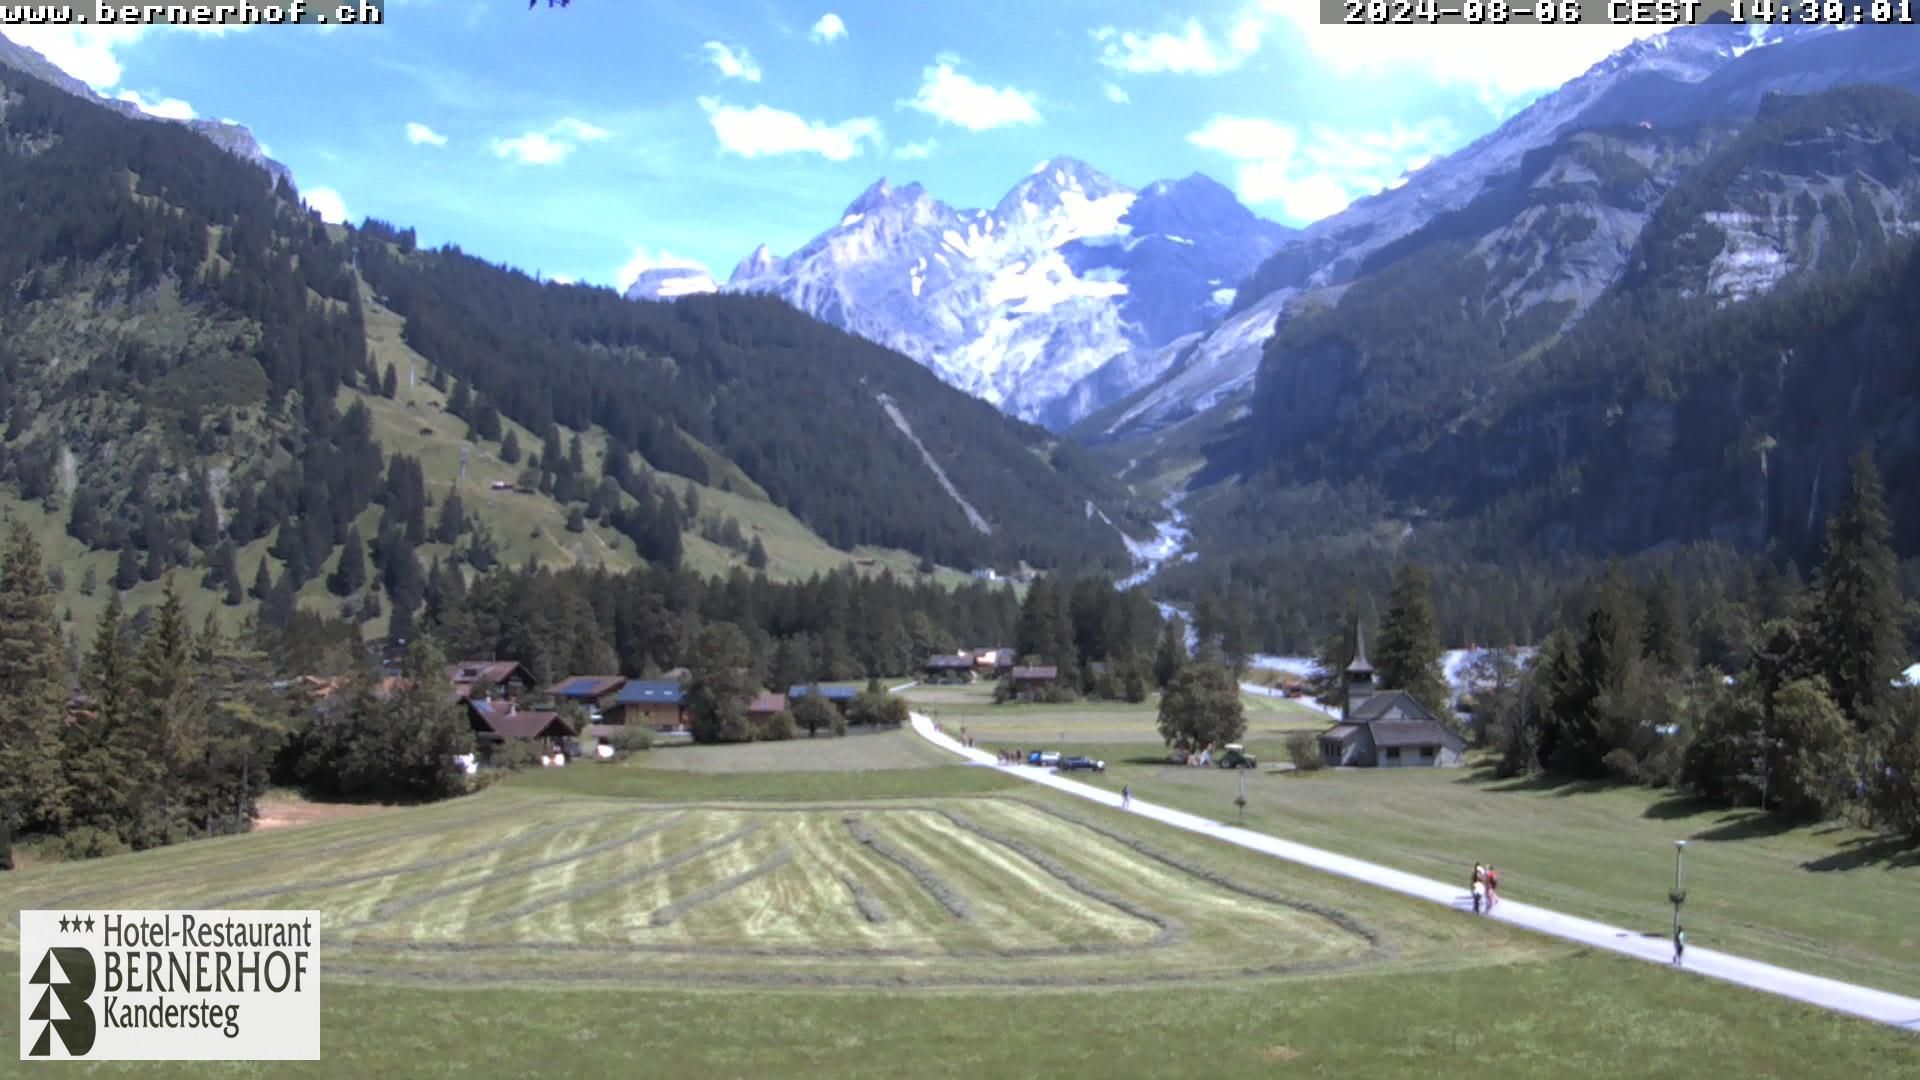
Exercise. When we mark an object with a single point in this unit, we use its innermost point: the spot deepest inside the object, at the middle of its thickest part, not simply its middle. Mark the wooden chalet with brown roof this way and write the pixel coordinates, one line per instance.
(1386, 728)
(506, 678)
(1031, 682)
(495, 721)
(660, 704)
(953, 668)
(765, 706)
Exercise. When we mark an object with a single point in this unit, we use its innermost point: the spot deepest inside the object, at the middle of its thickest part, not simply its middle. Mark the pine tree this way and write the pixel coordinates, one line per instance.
(350, 573)
(510, 448)
(102, 753)
(717, 696)
(390, 383)
(262, 580)
(453, 518)
(172, 717)
(460, 401)
(229, 566)
(1860, 610)
(126, 573)
(1171, 655)
(1666, 637)
(757, 555)
(33, 691)
(1407, 656)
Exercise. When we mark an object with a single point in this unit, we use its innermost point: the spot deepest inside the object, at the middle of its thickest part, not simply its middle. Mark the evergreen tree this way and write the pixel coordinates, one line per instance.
(350, 573)
(1236, 635)
(102, 751)
(126, 573)
(229, 570)
(1407, 655)
(1667, 640)
(757, 555)
(510, 448)
(453, 518)
(1171, 655)
(262, 580)
(33, 691)
(390, 383)
(171, 714)
(460, 401)
(1859, 614)
(718, 695)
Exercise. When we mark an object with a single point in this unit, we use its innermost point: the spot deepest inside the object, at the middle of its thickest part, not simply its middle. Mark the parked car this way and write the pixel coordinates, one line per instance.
(1046, 759)
(1235, 756)
(1082, 764)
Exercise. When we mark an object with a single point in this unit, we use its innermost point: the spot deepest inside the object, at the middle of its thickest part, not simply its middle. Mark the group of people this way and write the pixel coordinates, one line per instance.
(1486, 888)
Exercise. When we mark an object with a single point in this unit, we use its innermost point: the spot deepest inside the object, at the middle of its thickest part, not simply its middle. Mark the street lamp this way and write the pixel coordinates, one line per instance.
(1679, 893)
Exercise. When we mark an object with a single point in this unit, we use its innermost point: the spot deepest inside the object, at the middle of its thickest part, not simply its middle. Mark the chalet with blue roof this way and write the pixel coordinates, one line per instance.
(660, 704)
(591, 692)
(841, 697)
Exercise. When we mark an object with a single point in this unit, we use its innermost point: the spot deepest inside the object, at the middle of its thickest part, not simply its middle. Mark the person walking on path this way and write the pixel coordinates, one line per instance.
(1493, 887)
(1479, 895)
(1126, 797)
(1679, 943)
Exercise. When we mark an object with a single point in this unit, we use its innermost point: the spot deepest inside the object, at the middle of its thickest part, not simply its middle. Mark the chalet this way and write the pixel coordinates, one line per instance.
(1386, 728)
(504, 678)
(1029, 683)
(660, 704)
(950, 669)
(766, 706)
(591, 692)
(994, 662)
(494, 722)
(841, 697)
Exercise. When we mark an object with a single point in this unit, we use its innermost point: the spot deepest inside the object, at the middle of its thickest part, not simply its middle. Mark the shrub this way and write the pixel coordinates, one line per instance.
(1303, 749)
(1621, 765)
(88, 842)
(631, 740)
(775, 728)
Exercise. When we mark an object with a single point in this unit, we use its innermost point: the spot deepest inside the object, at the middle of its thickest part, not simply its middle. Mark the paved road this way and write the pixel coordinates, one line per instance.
(1843, 997)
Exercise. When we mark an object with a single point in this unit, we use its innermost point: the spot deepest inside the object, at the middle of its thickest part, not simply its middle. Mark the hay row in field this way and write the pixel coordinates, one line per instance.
(863, 898)
(948, 898)
(1170, 931)
(671, 913)
(391, 908)
(582, 892)
(1212, 877)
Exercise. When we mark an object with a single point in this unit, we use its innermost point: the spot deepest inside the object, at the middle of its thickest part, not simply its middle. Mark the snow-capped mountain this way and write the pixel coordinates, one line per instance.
(670, 283)
(1018, 303)
(1684, 77)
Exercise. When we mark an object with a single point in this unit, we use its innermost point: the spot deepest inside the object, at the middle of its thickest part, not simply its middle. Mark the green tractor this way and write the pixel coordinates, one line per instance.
(1235, 756)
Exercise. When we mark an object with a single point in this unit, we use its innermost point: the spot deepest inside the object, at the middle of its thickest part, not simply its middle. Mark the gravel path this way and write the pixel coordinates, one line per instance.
(1887, 1008)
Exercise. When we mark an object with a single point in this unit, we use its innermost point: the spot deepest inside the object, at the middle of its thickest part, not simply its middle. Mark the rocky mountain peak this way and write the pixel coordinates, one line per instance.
(754, 265)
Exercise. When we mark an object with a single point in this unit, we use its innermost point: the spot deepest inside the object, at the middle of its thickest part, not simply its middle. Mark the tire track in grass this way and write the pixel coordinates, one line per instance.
(935, 887)
(670, 914)
(531, 835)
(652, 869)
(388, 910)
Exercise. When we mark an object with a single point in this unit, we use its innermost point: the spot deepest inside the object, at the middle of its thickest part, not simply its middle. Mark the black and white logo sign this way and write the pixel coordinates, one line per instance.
(170, 985)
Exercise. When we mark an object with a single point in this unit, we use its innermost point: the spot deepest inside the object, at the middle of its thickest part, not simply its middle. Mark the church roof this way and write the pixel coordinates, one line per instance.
(1396, 718)
(1359, 665)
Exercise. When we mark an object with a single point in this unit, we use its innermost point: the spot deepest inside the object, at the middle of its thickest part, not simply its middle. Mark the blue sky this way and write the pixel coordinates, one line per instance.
(588, 142)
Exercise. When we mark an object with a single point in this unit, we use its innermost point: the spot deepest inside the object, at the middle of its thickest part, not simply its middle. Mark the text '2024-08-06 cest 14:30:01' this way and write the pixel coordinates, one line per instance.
(1654, 13)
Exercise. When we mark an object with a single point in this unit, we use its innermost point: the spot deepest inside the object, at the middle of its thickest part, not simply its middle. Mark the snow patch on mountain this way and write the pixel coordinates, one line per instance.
(1019, 303)
(671, 283)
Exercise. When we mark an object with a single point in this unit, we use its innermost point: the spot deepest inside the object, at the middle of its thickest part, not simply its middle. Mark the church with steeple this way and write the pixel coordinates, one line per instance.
(1385, 728)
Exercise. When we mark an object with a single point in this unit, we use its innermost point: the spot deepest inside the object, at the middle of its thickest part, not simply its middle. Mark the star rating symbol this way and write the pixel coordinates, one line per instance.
(75, 924)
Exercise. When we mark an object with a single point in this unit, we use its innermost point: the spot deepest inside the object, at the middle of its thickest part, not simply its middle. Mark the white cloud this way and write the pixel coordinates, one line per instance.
(581, 130)
(563, 279)
(644, 259)
(1116, 94)
(765, 132)
(165, 108)
(1505, 64)
(953, 98)
(1313, 174)
(552, 146)
(89, 53)
(917, 151)
(732, 63)
(421, 135)
(1192, 51)
(331, 207)
(829, 28)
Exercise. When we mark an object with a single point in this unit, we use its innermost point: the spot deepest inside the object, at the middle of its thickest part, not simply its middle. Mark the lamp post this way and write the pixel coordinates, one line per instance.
(1679, 893)
(1240, 801)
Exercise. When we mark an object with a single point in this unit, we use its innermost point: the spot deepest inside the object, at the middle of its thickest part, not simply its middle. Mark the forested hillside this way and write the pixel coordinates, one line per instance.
(195, 376)
(1698, 414)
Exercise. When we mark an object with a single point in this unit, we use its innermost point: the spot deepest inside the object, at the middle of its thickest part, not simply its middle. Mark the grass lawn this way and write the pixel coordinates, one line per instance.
(1825, 899)
(523, 932)
(860, 751)
(631, 781)
(971, 708)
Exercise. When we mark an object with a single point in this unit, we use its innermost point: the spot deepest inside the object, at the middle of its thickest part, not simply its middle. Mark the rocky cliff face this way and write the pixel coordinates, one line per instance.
(1640, 337)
